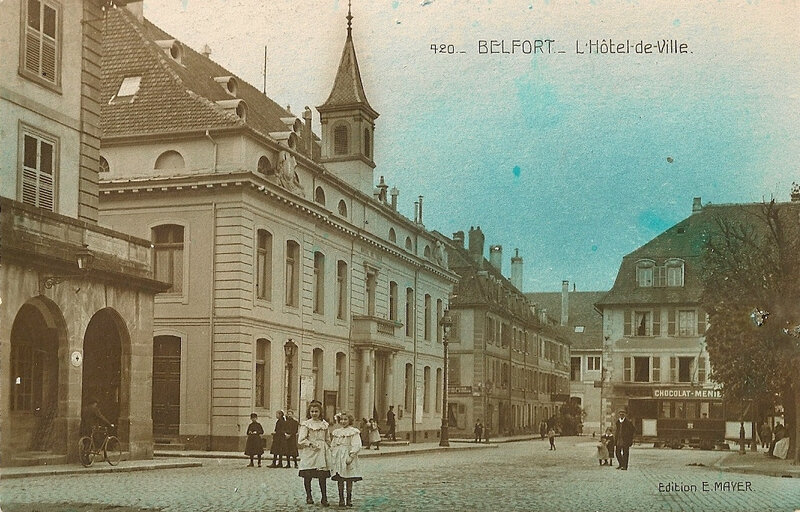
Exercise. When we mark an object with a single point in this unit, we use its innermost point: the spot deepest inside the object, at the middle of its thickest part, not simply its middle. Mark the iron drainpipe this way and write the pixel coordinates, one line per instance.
(414, 373)
(212, 316)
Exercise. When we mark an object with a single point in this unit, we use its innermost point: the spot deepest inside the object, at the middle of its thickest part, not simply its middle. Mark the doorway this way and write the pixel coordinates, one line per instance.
(166, 385)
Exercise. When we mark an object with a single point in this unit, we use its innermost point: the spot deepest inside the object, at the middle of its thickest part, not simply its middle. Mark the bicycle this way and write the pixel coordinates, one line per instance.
(110, 448)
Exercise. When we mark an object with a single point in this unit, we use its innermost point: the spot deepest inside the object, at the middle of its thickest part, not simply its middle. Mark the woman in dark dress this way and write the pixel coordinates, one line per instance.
(278, 448)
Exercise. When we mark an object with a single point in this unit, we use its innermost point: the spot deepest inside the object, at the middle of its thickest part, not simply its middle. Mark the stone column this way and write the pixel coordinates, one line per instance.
(367, 380)
(389, 381)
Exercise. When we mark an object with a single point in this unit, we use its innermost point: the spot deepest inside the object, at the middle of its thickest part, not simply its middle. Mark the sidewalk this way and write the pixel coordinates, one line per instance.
(124, 466)
(409, 449)
(757, 463)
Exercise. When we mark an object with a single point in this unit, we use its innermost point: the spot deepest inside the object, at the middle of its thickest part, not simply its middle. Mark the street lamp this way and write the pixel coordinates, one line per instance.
(83, 258)
(446, 322)
(289, 350)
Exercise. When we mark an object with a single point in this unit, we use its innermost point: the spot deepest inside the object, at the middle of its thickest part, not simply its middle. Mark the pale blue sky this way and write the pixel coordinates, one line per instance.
(562, 155)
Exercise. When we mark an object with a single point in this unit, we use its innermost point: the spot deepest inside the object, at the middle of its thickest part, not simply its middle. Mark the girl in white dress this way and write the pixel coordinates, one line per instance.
(313, 439)
(345, 445)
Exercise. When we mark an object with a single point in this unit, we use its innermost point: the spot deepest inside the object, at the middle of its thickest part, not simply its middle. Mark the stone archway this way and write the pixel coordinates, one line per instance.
(106, 368)
(38, 340)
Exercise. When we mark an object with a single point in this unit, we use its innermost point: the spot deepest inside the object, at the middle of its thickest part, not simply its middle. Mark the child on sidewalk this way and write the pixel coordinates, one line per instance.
(313, 441)
(551, 434)
(374, 434)
(345, 445)
(255, 444)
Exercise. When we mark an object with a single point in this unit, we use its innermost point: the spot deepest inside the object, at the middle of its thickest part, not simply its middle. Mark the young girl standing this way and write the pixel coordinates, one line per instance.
(345, 445)
(255, 445)
(313, 441)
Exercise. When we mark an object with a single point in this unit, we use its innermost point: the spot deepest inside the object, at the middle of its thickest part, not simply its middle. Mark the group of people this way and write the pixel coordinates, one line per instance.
(325, 451)
(776, 440)
(617, 441)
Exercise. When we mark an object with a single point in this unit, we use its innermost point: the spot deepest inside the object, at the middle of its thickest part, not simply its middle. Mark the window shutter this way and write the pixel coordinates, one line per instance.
(701, 369)
(627, 330)
(32, 50)
(671, 322)
(656, 322)
(701, 323)
(673, 369)
(656, 369)
(48, 59)
(626, 373)
(46, 191)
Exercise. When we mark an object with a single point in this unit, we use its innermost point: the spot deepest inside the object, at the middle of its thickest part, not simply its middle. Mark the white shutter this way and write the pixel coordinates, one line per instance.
(32, 50)
(48, 59)
(45, 191)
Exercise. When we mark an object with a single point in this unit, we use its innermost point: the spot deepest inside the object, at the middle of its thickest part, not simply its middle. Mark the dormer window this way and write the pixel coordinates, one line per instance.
(674, 271)
(644, 273)
(127, 90)
(229, 83)
(237, 107)
(173, 48)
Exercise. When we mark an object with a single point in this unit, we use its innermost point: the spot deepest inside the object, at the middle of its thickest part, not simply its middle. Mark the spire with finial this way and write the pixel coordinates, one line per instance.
(349, 20)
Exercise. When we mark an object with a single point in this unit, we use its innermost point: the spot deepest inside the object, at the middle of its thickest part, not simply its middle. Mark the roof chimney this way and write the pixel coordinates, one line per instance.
(564, 302)
(496, 257)
(458, 239)
(476, 240)
(516, 270)
(395, 193)
(206, 51)
(697, 205)
(382, 188)
(416, 212)
(795, 192)
(420, 209)
(137, 9)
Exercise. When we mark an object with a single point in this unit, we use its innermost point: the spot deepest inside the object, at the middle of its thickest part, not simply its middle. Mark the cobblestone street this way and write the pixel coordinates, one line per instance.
(514, 476)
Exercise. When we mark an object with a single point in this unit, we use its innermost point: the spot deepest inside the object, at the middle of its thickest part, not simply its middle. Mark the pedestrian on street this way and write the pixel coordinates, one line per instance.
(313, 440)
(391, 424)
(255, 444)
(278, 447)
(374, 434)
(364, 428)
(766, 435)
(602, 451)
(551, 434)
(778, 434)
(610, 445)
(624, 437)
(345, 445)
(478, 431)
(291, 438)
(543, 429)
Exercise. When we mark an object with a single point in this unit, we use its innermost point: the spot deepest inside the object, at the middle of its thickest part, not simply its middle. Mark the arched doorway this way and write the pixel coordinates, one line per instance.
(105, 354)
(36, 334)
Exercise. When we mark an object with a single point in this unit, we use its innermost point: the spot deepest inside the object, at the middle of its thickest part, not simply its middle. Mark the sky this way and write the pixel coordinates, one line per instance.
(576, 159)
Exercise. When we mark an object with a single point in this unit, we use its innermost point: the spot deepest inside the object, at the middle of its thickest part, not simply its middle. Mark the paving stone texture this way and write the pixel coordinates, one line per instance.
(523, 476)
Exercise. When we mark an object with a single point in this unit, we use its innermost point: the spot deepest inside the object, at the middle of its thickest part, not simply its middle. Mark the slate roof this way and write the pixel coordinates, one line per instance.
(347, 90)
(172, 97)
(685, 240)
(581, 313)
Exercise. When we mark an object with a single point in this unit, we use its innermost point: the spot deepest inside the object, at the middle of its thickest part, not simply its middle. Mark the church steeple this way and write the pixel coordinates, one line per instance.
(348, 121)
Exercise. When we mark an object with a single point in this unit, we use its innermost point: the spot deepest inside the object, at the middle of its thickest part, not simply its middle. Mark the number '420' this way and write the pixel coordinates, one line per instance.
(443, 48)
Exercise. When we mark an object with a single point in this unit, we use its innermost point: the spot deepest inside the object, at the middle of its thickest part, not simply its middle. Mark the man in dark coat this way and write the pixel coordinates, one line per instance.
(390, 422)
(624, 437)
(91, 417)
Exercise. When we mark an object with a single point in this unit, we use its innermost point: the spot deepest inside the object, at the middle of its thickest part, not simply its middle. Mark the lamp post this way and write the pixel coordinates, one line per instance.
(83, 258)
(446, 322)
(288, 350)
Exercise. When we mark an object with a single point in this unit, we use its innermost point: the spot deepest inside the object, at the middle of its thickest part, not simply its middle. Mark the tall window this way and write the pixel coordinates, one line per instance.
(168, 255)
(40, 48)
(674, 273)
(372, 284)
(428, 313)
(341, 140)
(687, 323)
(38, 170)
(685, 367)
(292, 273)
(638, 323)
(426, 389)
(341, 380)
(409, 387)
(575, 369)
(641, 369)
(593, 363)
(319, 283)
(439, 313)
(392, 300)
(341, 290)
(264, 265)
(409, 311)
(316, 371)
(262, 373)
(438, 404)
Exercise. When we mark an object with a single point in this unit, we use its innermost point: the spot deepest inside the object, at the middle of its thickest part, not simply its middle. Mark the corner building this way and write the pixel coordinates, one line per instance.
(292, 276)
(76, 316)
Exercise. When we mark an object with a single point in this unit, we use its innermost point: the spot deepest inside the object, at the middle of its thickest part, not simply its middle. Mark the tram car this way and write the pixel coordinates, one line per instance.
(690, 417)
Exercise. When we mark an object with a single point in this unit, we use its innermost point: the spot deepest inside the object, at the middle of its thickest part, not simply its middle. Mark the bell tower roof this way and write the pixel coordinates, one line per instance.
(348, 90)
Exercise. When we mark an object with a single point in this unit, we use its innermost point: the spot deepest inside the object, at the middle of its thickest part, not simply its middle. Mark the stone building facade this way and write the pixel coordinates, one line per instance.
(506, 367)
(76, 314)
(293, 276)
